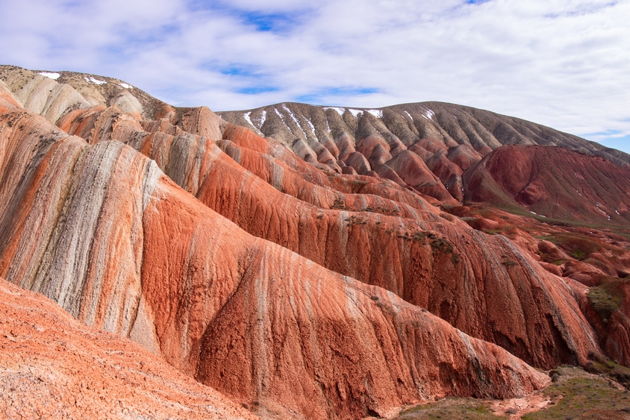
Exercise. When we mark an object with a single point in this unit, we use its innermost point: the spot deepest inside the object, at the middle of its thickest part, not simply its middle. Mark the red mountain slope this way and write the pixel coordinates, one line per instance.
(553, 182)
(99, 229)
(52, 366)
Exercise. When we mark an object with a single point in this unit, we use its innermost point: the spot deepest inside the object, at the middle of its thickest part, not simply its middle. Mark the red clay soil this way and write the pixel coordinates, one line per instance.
(53, 366)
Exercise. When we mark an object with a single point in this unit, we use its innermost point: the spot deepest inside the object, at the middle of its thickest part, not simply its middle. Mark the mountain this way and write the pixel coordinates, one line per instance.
(407, 143)
(295, 286)
(552, 181)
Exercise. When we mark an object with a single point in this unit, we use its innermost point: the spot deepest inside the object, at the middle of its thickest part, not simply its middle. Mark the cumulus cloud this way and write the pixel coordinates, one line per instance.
(563, 63)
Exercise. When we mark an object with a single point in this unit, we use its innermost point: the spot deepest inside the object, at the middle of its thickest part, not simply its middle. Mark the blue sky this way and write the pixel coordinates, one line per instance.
(563, 63)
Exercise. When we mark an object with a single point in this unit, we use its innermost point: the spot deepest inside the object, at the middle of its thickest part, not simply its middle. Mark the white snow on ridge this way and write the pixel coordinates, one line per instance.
(378, 113)
(95, 81)
(428, 114)
(125, 85)
(355, 112)
(340, 111)
(50, 75)
(248, 119)
(295, 120)
(310, 124)
(263, 118)
(409, 115)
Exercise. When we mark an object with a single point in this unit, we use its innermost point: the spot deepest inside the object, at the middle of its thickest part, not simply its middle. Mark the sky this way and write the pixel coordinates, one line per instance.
(562, 63)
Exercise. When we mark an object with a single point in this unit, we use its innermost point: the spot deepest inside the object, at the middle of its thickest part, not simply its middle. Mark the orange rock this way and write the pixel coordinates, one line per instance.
(52, 366)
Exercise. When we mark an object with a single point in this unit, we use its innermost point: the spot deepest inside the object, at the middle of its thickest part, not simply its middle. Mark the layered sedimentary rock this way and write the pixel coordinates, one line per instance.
(100, 230)
(52, 366)
(553, 182)
(470, 279)
(299, 286)
(447, 137)
(53, 94)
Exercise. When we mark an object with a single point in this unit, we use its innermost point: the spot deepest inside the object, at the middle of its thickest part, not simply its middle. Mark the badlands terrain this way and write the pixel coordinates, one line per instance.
(298, 261)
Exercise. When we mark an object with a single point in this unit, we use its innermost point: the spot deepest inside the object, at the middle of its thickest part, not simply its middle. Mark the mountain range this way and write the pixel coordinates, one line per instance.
(299, 261)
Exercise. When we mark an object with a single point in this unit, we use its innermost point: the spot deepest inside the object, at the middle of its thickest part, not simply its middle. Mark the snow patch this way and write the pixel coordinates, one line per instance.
(263, 118)
(376, 112)
(295, 120)
(355, 112)
(50, 75)
(428, 114)
(248, 119)
(125, 85)
(95, 81)
(340, 111)
(310, 124)
(409, 115)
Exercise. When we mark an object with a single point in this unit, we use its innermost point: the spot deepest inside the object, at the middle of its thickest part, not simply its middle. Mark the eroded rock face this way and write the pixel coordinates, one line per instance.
(553, 182)
(53, 94)
(448, 138)
(266, 274)
(52, 366)
(119, 245)
(470, 279)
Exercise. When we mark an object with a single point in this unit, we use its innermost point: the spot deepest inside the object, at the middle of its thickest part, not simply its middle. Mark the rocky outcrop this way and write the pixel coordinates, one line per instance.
(53, 94)
(470, 279)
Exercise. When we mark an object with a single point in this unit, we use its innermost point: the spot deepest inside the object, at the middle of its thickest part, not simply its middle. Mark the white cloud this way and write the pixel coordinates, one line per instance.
(562, 63)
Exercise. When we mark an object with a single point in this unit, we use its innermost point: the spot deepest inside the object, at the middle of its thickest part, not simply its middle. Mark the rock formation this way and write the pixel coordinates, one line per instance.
(52, 366)
(342, 281)
(554, 182)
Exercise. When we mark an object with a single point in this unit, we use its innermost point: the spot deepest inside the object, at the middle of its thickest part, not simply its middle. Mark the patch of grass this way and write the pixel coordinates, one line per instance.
(603, 302)
(579, 395)
(577, 245)
(607, 297)
(442, 245)
(602, 365)
(450, 408)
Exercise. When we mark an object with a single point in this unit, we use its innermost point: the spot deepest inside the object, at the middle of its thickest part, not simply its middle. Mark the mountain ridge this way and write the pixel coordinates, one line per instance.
(302, 288)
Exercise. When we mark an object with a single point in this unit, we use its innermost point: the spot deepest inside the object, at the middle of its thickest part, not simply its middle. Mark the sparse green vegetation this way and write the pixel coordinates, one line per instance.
(356, 220)
(339, 204)
(574, 394)
(606, 297)
(508, 263)
(610, 368)
(450, 408)
(442, 245)
(577, 245)
(579, 395)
